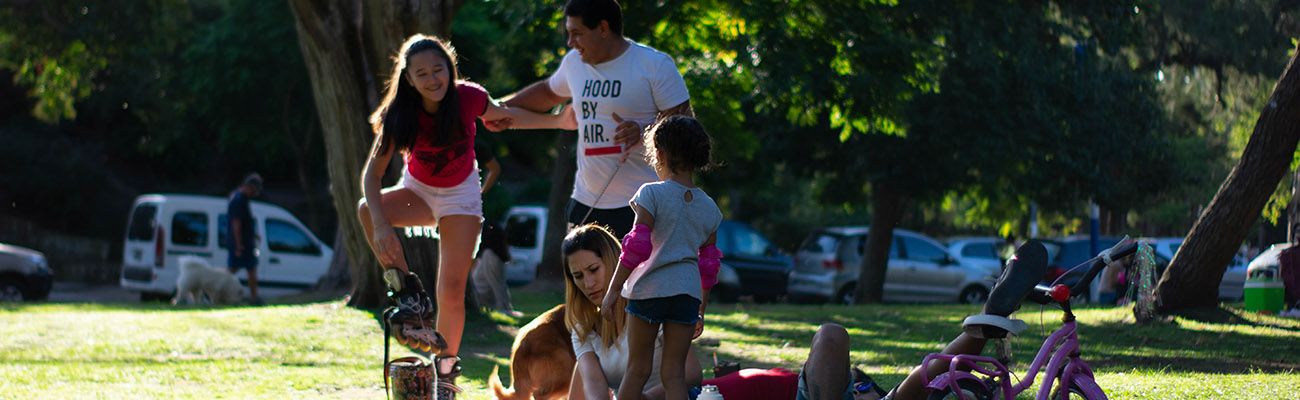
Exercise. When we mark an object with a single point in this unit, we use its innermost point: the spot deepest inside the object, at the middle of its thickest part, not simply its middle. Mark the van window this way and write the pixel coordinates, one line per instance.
(521, 231)
(190, 229)
(223, 230)
(284, 237)
(142, 222)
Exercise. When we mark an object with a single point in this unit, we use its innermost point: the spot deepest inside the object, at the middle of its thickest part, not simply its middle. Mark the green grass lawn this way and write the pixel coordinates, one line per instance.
(327, 350)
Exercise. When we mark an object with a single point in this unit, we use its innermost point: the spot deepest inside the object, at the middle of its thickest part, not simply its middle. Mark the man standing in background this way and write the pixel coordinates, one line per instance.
(242, 249)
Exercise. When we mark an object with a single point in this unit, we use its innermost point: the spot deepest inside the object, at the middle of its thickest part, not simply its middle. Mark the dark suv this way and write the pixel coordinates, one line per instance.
(751, 265)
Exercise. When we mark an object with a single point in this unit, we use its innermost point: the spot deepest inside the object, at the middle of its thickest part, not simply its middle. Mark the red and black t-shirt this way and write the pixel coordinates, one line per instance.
(447, 166)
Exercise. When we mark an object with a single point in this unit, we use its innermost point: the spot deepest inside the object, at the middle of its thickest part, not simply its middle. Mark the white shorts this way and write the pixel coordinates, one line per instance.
(462, 199)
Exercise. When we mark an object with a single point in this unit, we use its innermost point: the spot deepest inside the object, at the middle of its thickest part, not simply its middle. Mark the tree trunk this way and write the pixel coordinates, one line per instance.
(1192, 279)
(339, 275)
(550, 270)
(887, 211)
(345, 44)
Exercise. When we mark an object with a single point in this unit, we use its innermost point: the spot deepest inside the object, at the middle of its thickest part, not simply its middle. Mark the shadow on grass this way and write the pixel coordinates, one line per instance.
(901, 335)
(1234, 316)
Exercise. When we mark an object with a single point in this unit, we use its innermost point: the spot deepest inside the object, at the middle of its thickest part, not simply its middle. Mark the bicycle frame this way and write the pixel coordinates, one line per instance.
(1060, 350)
(1062, 346)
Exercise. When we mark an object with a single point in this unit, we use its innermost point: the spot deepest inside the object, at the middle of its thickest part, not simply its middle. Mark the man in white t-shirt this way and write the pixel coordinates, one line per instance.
(619, 88)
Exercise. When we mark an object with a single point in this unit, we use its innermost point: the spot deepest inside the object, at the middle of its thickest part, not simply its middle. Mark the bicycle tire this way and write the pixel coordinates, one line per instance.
(972, 389)
(1075, 392)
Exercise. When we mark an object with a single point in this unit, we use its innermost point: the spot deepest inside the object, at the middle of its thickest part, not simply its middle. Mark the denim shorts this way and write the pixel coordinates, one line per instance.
(803, 393)
(681, 309)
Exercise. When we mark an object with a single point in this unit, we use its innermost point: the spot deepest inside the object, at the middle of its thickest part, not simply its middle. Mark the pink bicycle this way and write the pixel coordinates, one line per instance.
(1067, 375)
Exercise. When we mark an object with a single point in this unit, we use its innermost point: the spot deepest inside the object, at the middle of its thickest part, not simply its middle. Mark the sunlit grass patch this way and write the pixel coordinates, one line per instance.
(326, 350)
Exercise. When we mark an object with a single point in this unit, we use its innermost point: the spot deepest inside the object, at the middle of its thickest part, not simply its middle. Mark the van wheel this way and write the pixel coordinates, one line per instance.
(151, 297)
(974, 295)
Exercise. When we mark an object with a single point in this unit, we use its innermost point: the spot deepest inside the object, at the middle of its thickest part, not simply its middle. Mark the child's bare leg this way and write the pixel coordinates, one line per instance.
(640, 357)
(456, 258)
(677, 340)
(1017, 279)
(913, 387)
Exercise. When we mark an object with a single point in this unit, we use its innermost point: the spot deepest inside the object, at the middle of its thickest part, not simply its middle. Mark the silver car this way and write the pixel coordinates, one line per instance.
(25, 274)
(1233, 283)
(920, 269)
(985, 252)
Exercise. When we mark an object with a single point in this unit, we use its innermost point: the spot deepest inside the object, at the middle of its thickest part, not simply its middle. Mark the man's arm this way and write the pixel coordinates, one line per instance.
(237, 235)
(537, 97)
(628, 133)
(680, 109)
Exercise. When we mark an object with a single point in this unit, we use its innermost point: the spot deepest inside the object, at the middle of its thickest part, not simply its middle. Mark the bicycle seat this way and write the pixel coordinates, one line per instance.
(989, 326)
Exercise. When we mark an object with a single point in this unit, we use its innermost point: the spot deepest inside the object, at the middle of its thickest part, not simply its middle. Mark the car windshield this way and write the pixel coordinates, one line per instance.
(747, 241)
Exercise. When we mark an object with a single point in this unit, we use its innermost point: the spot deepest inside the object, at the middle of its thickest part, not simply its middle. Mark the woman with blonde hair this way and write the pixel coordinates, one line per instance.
(600, 345)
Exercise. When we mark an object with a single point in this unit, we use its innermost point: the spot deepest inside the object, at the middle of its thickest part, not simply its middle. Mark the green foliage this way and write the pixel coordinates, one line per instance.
(245, 84)
(58, 82)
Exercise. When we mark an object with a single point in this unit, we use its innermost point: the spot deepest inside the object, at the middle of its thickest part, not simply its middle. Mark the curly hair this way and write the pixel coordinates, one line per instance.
(682, 143)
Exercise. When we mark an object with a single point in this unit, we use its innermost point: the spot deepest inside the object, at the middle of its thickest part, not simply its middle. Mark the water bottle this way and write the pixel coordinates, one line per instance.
(709, 392)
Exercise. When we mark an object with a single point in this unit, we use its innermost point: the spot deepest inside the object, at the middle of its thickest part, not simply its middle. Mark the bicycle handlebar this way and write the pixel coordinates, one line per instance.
(1098, 263)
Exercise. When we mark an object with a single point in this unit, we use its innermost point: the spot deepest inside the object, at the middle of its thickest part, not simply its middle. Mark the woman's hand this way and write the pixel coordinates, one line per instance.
(608, 304)
(387, 249)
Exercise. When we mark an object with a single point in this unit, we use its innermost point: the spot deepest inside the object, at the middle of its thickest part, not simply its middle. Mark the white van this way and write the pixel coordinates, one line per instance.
(162, 227)
(525, 231)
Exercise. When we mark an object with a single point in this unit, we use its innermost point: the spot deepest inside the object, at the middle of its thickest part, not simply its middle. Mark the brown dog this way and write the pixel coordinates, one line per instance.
(541, 360)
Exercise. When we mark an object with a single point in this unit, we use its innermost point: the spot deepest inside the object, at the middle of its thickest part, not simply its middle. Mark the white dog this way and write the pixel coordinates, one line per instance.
(196, 276)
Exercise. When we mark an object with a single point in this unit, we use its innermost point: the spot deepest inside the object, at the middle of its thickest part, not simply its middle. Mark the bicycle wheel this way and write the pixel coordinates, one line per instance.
(1075, 393)
(971, 389)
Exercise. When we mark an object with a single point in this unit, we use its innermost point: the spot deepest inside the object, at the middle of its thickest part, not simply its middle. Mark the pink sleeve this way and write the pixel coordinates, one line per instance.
(710, 263)
(636, 247)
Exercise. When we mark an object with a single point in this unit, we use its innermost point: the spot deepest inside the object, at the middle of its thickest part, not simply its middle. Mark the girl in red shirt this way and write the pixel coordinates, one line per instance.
(428, 116)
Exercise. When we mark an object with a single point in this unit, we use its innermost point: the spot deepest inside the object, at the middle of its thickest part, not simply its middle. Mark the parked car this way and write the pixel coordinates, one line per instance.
(751, 265)
(1265, 265)
(162, 227)
(920, 269)
(1231, 287)
(984, 252)
(525, 231)
(1069, 252)
(25, 274)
